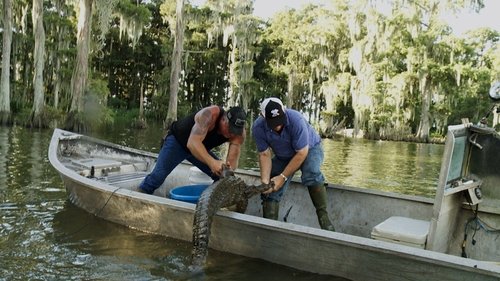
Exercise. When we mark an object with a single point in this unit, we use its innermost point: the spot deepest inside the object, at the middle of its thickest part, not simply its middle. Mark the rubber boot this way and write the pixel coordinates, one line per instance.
(270, 209)
(318, 197)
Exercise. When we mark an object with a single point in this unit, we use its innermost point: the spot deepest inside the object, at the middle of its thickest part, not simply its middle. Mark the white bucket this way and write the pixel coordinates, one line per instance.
(196, 176)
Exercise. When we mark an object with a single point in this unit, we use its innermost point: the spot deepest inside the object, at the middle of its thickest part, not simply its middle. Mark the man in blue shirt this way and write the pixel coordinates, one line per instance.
(296, 145)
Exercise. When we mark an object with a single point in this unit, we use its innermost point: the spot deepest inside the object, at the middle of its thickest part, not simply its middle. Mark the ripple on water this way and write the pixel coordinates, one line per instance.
(53, 189)
(8, 206)
(81, 259)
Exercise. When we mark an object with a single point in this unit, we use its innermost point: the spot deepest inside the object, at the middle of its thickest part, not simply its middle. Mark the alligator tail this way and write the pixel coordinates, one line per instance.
(223, 193)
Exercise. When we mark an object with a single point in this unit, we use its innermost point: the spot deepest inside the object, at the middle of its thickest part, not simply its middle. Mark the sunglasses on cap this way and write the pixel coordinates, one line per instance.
(238, 122)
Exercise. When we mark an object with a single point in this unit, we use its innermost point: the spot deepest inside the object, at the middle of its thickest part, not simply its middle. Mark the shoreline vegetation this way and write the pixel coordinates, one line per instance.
(130, 118)
(349, 133)
(401, 76)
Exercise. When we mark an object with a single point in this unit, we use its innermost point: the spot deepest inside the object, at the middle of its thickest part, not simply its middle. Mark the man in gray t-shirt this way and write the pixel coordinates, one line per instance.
(296, 145)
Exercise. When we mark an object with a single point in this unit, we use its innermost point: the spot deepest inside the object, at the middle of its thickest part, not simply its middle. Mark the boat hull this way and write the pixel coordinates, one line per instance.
(298, 243)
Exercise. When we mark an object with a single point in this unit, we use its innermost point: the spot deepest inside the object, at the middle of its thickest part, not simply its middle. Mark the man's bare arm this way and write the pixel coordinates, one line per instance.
(265, 164)
(204, 120)
(296, 161)
(292, 166)
(234, 150)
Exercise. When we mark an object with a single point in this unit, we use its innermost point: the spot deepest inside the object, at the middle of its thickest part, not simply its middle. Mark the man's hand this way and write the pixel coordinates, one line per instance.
(277, 182)
(217, 167)
(254, 190)
(227, 171)
(272, 187)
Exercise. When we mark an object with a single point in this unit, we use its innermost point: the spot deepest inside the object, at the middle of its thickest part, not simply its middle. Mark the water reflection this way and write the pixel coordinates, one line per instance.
(121, 253)
(408, 168)
(35, 160)
(4, 148)
(112, 252)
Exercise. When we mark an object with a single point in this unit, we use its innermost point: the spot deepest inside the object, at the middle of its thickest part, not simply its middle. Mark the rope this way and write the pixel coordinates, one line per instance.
(97, 213)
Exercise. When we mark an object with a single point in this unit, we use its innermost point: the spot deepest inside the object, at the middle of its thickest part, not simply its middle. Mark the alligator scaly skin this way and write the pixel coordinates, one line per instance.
(227, 191)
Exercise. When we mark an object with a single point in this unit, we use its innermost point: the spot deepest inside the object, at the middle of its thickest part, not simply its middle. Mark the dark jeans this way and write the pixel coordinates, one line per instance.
(310, 168)
(171, 155)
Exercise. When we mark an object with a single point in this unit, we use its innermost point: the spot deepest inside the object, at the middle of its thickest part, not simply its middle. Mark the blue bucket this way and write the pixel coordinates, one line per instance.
(188, 193)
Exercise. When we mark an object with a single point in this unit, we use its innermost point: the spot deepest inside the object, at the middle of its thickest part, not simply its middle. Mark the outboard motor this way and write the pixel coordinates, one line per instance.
(494, 94)
(495, 91)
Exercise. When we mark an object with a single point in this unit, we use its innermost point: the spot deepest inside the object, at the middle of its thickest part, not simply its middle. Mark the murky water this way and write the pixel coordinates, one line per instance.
(44, 237)
(408, 168)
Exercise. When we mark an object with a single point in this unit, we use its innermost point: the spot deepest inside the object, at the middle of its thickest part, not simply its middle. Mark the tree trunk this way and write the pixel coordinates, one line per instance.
(5, 114)
(19, 44)
(141, 101)
(24, 60)
(424, 126)
(18, 53)
(39, 61)
(57, 86)
(75, 121)
(57, 70)
(141, 122)
(176, 64)
(496, 117)
(233, 79)
(290, 87)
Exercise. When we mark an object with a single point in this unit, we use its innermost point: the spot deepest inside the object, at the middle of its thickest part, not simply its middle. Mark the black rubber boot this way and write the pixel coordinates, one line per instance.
(318, 197)
(270, 209)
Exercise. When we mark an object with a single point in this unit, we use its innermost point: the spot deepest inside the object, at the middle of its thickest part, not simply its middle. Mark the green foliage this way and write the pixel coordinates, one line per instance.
(54, 115)
(49, 117)
(157, 108)
(133, 19)
(125, 115)
(140, 14)
(117, 103)
(96, 112)
(370, 69)
(22, 116)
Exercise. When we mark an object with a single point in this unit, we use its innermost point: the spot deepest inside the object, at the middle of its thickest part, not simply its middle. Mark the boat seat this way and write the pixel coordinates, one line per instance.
(402, 230)
(121, 178)
(97, 163)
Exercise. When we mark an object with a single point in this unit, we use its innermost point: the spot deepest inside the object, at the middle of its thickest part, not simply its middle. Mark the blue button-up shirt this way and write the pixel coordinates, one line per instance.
(296, 134)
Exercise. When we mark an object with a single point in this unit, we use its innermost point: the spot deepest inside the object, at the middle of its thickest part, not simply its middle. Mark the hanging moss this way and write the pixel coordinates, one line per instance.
(133, 20)
(104, 11)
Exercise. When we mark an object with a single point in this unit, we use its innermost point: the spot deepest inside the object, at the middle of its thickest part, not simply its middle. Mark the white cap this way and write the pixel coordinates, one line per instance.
(274, 112)
(265, 102)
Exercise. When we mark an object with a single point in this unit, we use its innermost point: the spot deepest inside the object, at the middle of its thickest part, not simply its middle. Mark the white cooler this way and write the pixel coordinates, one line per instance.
(196, 176)
(402, 230)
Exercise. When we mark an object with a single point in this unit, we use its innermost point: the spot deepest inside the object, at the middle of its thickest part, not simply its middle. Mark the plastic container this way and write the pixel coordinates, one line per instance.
(188, 193)
(196, 176)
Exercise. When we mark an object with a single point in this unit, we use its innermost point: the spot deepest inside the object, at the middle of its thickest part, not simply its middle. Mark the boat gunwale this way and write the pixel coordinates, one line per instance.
(365, 244)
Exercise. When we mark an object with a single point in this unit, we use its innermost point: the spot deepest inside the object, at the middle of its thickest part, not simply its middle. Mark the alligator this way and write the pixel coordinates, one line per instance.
(227, 191)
